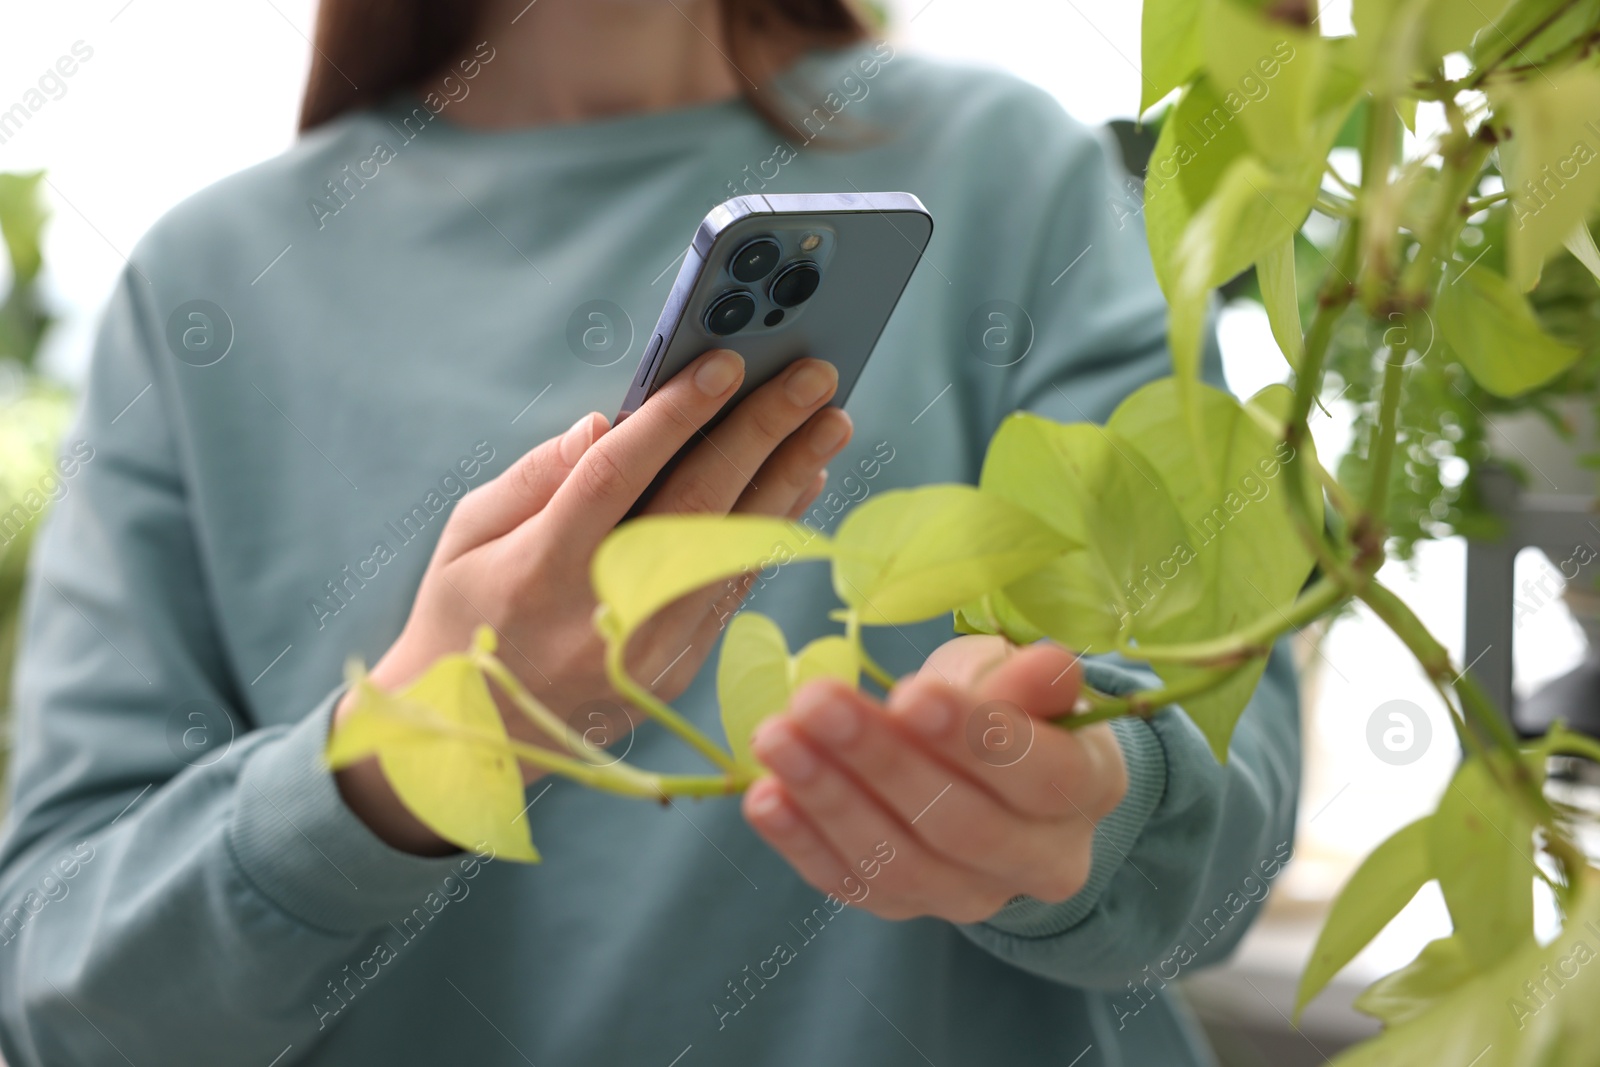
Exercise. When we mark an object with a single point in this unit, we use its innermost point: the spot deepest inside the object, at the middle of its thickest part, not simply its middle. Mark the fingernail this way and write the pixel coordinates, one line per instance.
(832, 720)
(828, 432)
(768, 807)
(929, 716)
(809, 382)
(717, 373)
(576, 441)
(785, 754)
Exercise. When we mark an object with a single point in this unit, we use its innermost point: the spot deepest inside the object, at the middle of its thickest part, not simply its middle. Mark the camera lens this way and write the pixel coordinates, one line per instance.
(795, 285)
(755, 260)
(731, 313)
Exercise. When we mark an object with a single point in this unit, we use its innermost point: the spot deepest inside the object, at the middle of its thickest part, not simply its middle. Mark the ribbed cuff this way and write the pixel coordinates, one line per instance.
(1114, 836)
(296, 841)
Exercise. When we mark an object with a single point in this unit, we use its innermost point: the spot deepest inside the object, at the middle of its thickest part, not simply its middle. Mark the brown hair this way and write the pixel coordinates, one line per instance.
(367, 49)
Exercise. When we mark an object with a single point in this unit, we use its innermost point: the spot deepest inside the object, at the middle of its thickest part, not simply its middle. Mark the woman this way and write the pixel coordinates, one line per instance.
(316, 412)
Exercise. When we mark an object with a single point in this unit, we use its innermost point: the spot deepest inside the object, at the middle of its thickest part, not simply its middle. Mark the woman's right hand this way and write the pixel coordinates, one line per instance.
(515, 552)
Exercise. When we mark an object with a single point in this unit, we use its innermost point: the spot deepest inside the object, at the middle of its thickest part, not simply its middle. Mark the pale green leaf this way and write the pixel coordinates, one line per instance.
(1104, 496)
(1536, 1006)
(832, 656)
(1269, 74)
(443, 748)
(752, 680)
(1439, 968)
(1169, 47)
(1450, 25)
(1580, 242)
(1280, 295)
(1383, 884)
(756, 676)
(1492, 330)
(1480, 846)
(909, 555)
(1245, 557)
(646, 564)
(22, 219)
(993, 613)
(1552, 170)
(1198, 142)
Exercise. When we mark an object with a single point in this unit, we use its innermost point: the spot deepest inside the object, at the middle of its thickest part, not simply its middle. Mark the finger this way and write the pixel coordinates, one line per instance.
(965, 660)
(852, 821)
(607, 481)
(711, 478)
(520, 491)
(955, 817)
(793, 468)
(1036, 769)
(780, 824)
(809, 497)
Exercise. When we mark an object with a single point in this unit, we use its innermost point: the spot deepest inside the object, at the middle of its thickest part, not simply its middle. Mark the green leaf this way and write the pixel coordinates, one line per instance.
(1252, 212)
(1245, 556)
(752, 680)
(22, 219)
(1383, 884)
(993, 613)
(1480, 846)
(1450, 25)
(1580, 242)
(443, 748)
(1441, 966)
(1280, 295)
(646, 564)
(1552, 166)
(1169, 47)
(1104, 496)
(1492, 330)
(756, 677)
(1269, 74)
(1197, 143)
(1562, 20)
(909, 555)
(1533, 1008)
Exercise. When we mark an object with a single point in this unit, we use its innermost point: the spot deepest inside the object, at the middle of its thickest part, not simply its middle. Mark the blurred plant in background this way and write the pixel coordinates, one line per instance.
(33, 409)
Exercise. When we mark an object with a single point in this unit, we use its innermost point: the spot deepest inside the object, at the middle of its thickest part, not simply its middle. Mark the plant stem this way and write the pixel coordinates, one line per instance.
(659, 710)
(1502, 54)
(530, 706)
(1249, 642)
(1149, 701)
(1386, 437)
(1435, 663)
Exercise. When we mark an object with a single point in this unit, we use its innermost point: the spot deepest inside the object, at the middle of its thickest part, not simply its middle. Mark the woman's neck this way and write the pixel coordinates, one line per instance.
(570, 60)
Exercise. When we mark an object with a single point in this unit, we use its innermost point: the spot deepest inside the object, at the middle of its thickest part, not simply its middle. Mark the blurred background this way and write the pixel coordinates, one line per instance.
(173, 96)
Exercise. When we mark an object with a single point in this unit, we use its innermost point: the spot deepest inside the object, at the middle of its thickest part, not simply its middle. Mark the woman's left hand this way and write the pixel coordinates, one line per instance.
(977, 798)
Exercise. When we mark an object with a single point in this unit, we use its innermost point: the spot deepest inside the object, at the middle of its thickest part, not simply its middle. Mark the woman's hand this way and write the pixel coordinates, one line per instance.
(515, 552)
(971, 824)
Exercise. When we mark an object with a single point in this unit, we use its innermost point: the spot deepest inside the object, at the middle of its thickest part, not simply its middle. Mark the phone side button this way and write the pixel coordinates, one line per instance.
(647, 365)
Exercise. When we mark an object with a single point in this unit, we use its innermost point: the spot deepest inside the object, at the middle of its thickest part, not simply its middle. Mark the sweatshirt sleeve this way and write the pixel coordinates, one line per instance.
(1185, 859)
(160, 852)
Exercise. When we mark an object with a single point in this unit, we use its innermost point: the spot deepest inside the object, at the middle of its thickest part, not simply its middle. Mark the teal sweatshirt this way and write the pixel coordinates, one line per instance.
(300, 371)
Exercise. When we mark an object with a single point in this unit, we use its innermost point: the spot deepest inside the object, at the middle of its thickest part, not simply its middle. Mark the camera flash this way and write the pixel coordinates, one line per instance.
(810, 242)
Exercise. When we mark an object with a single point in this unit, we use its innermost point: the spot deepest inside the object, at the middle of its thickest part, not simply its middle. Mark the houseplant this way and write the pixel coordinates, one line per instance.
(1066, 518)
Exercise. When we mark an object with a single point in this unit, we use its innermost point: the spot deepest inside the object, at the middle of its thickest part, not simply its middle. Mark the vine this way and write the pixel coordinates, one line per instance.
(1059, 537)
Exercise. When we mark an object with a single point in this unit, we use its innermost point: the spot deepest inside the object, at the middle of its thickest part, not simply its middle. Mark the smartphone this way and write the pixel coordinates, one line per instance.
(783, 276)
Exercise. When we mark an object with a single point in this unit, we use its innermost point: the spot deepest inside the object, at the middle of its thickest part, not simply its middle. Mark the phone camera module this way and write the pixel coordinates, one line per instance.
(755, 260)
(730, 313)
(795, 285)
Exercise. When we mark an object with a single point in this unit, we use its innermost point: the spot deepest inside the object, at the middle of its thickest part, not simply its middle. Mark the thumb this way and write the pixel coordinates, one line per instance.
(521, 490)
(1044, 678)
